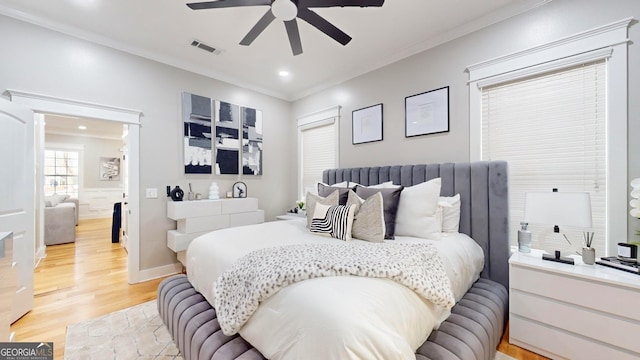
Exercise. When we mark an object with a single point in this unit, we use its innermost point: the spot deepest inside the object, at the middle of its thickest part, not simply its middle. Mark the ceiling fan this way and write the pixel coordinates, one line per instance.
(288, 11)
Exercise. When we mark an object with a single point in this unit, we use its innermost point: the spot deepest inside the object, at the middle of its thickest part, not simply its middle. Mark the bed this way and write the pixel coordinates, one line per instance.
(469, 330)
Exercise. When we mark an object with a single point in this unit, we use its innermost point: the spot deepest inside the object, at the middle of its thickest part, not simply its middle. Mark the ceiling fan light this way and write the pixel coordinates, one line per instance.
(284, 10)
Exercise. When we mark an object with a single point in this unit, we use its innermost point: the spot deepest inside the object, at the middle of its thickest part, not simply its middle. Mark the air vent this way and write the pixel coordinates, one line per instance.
(206, 47)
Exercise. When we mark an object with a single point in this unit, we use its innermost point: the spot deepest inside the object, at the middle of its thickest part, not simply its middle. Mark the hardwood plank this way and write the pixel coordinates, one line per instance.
(78, 282)
(87, 279)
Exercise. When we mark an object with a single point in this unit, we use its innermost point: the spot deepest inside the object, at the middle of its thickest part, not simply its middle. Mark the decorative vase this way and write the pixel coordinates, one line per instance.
(177, 194)
(588, 255)
(214, 191)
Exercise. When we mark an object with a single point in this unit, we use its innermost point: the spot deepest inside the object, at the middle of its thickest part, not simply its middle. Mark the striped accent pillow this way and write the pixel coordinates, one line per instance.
(334, 221)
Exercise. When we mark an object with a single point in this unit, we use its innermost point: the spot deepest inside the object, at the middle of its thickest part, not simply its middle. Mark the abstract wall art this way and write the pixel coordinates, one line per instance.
(227, 141)
(110, 168)
(196, 120)
(251, 141)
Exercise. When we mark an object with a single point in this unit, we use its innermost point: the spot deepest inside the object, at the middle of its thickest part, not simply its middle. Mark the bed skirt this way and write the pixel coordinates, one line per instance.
(473, 330)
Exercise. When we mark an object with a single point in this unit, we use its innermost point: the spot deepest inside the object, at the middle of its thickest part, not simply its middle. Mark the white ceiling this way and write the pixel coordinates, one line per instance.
(65, 125)
(164, 29)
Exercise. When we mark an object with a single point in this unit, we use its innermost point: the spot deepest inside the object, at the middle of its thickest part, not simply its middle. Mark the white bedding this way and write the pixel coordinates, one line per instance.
(332, 317)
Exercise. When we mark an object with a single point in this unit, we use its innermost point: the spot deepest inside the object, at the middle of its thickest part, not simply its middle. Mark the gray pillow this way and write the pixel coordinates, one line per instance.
(368, 222)
(311, 201)
(325, 190)
(390, 200)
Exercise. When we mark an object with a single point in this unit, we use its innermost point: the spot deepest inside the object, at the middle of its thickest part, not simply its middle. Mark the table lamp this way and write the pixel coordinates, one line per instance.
(558, 209)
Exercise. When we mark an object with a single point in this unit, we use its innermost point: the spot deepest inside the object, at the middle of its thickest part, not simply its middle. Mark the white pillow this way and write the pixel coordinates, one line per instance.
(417, 211)
(449, 209)
(51, 201)
(384, 185)
(333, 220)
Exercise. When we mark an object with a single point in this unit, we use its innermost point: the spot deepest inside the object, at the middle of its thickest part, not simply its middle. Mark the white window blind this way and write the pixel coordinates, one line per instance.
(318, 152)
(551, 128)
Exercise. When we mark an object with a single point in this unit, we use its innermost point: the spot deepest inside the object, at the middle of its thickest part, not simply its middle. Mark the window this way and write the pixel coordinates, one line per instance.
(61, 169)
(593, 66)
(317, 147)
(551, 128)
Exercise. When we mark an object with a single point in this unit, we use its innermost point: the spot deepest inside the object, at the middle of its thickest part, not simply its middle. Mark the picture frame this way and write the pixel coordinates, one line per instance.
(239, 189)
(366, 124)
(427, 113)
(109, 168)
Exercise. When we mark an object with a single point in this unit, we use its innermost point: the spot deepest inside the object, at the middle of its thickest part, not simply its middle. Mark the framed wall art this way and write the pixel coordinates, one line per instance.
(427, 113)
(251, 141)
(227, 139)
(196, 121)
(110, 168)
(366, 124)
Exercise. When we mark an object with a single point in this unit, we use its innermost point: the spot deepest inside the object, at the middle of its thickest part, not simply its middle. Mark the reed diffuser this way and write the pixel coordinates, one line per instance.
(588, 253)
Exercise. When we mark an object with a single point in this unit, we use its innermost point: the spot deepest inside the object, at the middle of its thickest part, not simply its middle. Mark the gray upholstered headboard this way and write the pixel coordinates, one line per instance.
(484, 198)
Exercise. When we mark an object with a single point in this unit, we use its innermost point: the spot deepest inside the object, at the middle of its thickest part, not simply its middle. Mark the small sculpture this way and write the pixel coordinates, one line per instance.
(214, 191)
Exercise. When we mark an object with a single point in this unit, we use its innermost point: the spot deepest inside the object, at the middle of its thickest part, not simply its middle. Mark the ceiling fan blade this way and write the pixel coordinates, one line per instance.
(332, 3)
(258, 28)
(226, 3)
(323, 25)
(294, 36)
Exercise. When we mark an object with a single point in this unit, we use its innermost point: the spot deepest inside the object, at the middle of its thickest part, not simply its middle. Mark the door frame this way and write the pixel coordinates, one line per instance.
(54, 105)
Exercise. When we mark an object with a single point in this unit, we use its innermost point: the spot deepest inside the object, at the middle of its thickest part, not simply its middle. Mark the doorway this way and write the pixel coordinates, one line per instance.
(43, 104)
(84, 160)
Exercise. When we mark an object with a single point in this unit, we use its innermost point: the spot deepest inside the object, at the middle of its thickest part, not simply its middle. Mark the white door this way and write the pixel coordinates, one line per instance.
(17, 197)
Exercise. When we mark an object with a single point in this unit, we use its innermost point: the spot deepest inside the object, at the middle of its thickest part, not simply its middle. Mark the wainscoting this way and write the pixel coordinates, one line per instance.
(98, 202)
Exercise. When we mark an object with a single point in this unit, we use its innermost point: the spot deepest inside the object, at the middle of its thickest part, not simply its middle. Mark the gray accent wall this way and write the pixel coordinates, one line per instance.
(445, 65)
(42, 61)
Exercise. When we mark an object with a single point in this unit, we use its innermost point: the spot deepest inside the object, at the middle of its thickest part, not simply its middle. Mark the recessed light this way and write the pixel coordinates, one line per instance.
(82, 127)
(283, 73)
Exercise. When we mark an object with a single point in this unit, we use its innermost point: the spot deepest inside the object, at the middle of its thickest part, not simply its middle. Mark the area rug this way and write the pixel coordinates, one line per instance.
(132, 333)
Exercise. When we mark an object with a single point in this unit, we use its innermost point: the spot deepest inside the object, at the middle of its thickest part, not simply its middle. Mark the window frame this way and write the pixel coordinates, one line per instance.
(608, 41)
(68, 148)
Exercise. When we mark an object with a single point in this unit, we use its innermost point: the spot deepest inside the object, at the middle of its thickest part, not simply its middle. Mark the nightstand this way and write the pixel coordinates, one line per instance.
(573, 311)
(291, 216)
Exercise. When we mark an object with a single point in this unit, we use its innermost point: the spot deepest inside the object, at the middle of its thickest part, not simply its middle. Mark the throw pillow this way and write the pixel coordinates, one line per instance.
(326, 190)
(311, 201)
(390, 199)
(450, 207)
(53, 200)
(368, 219)
(417, 211)
(335, 221)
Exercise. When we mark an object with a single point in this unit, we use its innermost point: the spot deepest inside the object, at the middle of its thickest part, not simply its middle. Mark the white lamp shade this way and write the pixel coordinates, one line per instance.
(558, 208)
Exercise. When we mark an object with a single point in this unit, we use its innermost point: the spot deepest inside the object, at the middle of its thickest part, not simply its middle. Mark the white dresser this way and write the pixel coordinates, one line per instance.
(201, 216)
(573, 311)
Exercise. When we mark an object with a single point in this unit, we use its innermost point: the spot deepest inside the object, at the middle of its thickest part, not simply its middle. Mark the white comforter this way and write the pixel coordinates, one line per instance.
(344, 317)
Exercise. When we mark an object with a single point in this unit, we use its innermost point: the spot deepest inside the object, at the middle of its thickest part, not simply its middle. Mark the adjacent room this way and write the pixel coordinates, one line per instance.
(280, 179)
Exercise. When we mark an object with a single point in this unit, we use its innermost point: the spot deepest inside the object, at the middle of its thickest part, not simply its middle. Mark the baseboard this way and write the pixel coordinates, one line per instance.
(158, 272)
(41, 253)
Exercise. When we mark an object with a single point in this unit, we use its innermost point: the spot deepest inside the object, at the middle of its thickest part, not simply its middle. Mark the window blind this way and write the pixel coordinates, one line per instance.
(318, 152)
(551, 128)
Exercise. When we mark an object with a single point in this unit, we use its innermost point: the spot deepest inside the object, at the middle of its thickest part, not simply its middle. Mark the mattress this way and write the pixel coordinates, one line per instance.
(372, 318)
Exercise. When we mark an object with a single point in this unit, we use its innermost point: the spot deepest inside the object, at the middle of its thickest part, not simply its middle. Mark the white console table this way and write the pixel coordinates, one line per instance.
(573, 311)
(201, 216)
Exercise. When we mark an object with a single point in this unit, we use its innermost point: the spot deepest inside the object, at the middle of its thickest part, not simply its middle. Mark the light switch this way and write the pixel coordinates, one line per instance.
(152, 193)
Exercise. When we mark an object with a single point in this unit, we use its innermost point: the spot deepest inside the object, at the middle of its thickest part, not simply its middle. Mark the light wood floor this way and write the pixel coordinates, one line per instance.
(87, 279)
(78, 282)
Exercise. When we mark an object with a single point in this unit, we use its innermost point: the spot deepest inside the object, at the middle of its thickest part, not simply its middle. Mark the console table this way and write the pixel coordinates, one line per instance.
(198, 217)
(573, 311)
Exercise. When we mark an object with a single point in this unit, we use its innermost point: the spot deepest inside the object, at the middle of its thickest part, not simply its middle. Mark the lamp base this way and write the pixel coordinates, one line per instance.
(558, 258)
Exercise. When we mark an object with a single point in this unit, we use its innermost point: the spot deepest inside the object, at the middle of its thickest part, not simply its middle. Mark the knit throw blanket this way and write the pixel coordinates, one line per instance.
(262, 273)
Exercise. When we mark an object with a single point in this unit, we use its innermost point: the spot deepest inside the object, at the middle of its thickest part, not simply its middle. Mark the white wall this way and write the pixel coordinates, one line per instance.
(41, 61)
(445, 66)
